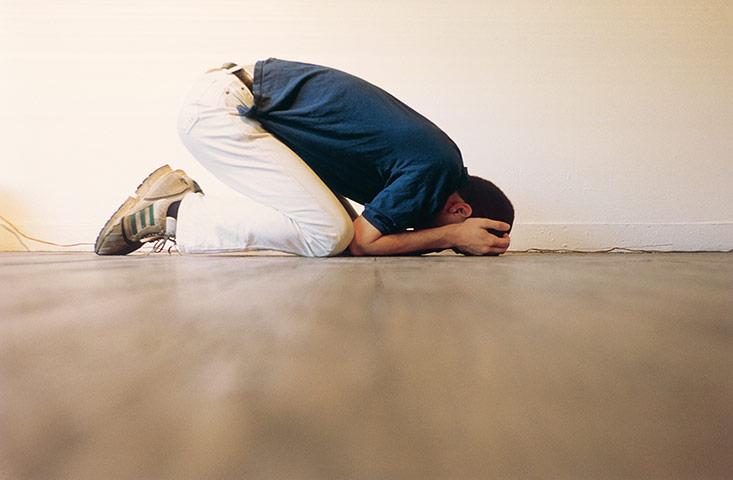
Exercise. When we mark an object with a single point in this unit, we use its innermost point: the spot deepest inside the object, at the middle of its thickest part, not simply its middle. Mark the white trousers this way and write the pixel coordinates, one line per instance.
(283, 204)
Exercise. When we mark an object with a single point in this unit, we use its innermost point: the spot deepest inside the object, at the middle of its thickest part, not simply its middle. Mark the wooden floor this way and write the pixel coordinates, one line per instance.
(234, 367)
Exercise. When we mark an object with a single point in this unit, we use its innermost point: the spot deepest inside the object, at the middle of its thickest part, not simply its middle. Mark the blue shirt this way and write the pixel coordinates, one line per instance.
(360, 140)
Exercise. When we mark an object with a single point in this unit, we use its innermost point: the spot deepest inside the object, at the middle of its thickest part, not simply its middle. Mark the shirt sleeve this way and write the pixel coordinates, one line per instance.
(410, 199)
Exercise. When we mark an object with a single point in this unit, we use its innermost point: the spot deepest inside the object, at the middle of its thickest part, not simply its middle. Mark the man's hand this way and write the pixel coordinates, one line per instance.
(470, 237)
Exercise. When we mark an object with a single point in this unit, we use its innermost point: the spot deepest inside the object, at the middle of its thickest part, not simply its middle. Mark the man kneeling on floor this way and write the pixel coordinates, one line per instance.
(295, 139)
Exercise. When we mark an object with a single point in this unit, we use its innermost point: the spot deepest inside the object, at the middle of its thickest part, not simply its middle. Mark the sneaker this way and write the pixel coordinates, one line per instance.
(142, 218)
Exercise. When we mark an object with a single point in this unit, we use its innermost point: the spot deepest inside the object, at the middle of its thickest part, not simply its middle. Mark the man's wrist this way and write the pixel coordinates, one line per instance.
(451, 235)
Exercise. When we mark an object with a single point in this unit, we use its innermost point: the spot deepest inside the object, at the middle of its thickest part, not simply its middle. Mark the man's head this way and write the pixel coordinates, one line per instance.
(476, 198)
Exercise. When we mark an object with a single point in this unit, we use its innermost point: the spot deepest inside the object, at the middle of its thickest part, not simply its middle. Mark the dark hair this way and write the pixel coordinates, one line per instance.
(487, 200)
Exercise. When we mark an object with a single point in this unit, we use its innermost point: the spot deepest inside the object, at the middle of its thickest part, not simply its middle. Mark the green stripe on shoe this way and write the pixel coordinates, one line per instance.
(143, 220)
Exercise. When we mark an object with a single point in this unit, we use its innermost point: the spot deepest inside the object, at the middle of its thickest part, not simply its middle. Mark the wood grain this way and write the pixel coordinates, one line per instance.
(440, 367)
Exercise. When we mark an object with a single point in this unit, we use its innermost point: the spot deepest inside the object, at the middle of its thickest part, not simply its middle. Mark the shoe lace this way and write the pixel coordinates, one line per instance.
(160, 244)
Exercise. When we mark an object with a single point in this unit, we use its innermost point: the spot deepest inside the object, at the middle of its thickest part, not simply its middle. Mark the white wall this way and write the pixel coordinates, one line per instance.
(608, 122)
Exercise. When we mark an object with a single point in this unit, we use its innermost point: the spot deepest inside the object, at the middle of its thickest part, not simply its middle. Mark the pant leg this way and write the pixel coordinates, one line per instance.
(284, 205)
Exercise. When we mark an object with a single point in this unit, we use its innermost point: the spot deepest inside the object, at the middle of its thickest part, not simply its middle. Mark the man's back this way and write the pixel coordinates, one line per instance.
(363, 142)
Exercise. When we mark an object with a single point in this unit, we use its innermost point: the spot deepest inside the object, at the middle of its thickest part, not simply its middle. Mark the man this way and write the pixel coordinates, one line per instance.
(294, 139)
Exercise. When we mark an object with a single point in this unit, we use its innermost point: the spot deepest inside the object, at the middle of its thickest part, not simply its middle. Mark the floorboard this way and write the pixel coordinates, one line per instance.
(523, 366)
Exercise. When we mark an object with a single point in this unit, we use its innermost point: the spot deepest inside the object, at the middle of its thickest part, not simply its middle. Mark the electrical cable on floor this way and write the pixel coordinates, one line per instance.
(613, 250)
(529, 250)
(28, 237)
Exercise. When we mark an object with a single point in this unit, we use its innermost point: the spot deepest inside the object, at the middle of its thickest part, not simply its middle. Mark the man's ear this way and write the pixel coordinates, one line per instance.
(461, 209)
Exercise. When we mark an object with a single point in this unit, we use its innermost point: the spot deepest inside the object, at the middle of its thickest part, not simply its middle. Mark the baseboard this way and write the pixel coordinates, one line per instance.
(714, 236)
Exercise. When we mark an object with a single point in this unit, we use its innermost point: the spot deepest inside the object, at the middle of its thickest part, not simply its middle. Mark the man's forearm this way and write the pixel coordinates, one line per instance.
(429, 239)
(470, 237)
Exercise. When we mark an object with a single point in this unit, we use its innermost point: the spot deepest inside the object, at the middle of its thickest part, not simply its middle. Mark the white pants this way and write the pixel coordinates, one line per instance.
(283, 204)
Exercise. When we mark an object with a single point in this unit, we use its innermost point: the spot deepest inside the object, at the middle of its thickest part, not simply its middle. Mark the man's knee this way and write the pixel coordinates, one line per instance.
(344, 236)
(333, 240)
